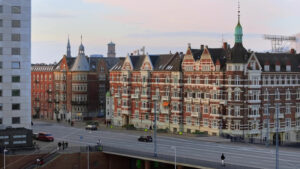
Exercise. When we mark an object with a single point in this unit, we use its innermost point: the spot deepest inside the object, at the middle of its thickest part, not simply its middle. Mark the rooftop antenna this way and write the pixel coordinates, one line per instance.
(277, 42)
(239, 11)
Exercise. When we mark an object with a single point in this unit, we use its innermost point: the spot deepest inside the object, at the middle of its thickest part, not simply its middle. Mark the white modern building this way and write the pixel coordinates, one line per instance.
(15, 63)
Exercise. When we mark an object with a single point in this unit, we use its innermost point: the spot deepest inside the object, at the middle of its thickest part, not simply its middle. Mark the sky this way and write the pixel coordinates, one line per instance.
(159, 25)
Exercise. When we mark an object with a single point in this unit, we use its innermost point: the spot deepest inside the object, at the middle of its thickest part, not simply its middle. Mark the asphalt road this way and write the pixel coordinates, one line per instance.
(188, 149)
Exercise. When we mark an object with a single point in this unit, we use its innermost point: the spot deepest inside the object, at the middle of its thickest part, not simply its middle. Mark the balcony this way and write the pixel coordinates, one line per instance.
(280, 115)
(196, 100)
(135, 96)
(205, 101)
(49, 90)
(155, 97)
(195, 114)
(165, 98)
(224, 102)
(36, 81)
(254, 131)
(79, 102)
(125, 112)
(49, 100)
(254, 116)
(164, 111)
(117, 94)
(188, 100)
(297, 115)
(56, 100)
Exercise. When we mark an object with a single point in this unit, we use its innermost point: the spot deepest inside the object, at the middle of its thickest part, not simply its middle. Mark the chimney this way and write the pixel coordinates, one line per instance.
(189, 45)
(202, 47)
(293, 51)
(225, 47)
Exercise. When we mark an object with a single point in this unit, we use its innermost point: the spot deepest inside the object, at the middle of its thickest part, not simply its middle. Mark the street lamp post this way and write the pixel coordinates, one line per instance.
(4, 151)
(174, 147)
(155, 148)
(277, 141)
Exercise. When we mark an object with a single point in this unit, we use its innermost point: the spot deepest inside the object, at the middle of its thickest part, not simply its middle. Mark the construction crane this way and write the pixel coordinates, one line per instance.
(277, 42)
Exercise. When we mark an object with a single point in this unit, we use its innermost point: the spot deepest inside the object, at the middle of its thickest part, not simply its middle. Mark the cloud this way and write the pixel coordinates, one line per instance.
(189, 34)
(58, 15)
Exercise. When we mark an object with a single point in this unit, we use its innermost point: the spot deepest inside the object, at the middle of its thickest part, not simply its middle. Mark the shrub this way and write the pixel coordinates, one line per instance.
(129, 127)
(166, 130)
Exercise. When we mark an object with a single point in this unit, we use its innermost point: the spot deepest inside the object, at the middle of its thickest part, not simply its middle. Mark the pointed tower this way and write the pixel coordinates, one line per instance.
(81, 63)
(238, 53)
(68, 48)
(238, 29)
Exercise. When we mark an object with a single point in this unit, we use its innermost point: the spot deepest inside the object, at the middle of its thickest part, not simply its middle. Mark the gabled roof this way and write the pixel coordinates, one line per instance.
(118, 66)
(70, 62)
(215, 53)
(282, 58)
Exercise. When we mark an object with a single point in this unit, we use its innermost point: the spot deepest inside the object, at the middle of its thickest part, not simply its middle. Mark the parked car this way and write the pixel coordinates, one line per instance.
(91, 127)
(145, 138)
(45, 137)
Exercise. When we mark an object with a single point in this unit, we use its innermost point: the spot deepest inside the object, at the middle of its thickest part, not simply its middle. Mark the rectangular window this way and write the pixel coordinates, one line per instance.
(15, 120)
(15, 79)
(1, 23)
(1, 106)
(1, 65)
(15, 65)
(1, 36)
(15, 106)
(15, 51)
(1, 121)
(0, 79)
(15, 92)
(1, 51)
(16, 23)
(16, 9)
(16, 37)
(1, 9)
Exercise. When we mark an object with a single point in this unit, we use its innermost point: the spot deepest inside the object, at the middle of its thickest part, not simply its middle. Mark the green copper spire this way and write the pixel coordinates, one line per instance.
(238, 29)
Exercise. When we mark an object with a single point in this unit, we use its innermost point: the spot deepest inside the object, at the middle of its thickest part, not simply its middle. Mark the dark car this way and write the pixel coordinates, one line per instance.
(145, 138)
(35, 136)
(91, 127)
(45, 137)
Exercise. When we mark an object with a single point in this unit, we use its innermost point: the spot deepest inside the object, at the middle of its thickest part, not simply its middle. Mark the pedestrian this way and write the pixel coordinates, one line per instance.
(63, 145)
(99, 142)
(59, 144)
(223, 159)
(66, 144)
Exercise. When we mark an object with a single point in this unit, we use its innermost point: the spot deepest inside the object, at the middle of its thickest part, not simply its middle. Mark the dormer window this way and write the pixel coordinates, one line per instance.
(288, 68)
(277, 68)
(267, 68)
(253, 66)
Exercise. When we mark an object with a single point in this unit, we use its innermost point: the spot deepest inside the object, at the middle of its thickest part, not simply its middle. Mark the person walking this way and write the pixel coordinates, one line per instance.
(223, 159)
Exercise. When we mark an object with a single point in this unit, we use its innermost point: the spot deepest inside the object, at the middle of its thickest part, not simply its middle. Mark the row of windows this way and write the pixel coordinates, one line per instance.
(13, 9)
(14, 106)
(14, 65)
(41, 86)
(42, 77)
(14, 79)
(14, 92)
(14, 23)
(14, 51)
(14, 37)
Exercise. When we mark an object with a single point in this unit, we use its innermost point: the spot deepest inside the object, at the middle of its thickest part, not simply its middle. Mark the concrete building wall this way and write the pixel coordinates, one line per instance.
(16, 61)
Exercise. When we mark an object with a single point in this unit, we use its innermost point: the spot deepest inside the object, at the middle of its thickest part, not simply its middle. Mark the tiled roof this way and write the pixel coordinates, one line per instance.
(282, 58)
(42, 67)
(110, 62)
(238, 54)
(163, 62)
(70, 62)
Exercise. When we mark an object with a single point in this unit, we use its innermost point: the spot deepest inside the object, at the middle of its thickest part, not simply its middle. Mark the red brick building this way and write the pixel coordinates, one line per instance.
(42, 103)
(217, 90)
(78, 87)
